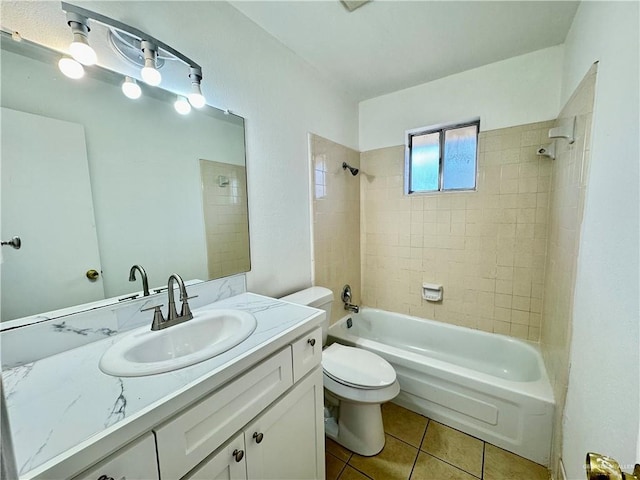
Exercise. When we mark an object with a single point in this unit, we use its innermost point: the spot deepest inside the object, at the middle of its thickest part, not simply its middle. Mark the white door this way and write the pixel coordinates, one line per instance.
(46, 201)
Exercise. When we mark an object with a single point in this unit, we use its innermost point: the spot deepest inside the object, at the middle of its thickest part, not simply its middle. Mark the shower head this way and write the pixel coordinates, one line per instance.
(354, 171)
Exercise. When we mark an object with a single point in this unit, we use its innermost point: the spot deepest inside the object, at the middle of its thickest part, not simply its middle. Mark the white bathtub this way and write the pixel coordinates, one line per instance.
(490, 386)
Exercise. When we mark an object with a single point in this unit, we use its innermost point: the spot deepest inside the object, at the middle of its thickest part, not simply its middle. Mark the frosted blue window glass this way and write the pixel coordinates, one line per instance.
(442, 158)
(425, 162)
(459, 163)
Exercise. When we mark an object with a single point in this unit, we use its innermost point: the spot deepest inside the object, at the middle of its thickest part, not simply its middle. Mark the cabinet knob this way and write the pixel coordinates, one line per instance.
(258, 437)
(238, 454)
(105, 477)
(311, 341)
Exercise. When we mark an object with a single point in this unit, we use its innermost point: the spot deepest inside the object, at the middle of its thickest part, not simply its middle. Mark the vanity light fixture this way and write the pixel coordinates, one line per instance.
(182, 106)
(71, 68)
(80, 48)
(131, 89)
(138, 48)
(195, 97)
(149, 72)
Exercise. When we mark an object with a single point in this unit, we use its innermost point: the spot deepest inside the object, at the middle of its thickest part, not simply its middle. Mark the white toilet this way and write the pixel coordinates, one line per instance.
(356, 383)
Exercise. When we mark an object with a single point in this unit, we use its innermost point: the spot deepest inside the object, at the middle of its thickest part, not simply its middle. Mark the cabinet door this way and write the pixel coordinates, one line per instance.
(227, 463)
(287, 441)
(187, 439)
(136, 461)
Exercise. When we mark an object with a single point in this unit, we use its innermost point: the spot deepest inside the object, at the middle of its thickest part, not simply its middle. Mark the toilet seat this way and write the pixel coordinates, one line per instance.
(357, 368)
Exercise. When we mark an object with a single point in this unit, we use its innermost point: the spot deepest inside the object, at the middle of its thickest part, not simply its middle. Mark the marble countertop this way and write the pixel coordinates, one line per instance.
(65, 413)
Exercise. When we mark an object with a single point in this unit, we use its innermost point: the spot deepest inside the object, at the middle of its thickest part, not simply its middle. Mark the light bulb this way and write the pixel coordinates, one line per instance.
(71, 68)
(182, 106)
(195, 97)
(131, 89)
(150, 75)
(82, 51)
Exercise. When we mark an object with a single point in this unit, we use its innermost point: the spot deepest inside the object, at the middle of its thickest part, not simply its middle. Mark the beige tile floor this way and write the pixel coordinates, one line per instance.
(418, 448)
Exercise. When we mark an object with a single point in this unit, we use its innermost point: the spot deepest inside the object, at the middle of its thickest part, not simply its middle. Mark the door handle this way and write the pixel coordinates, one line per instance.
(15, 242)
(601, 467)
(92, 275)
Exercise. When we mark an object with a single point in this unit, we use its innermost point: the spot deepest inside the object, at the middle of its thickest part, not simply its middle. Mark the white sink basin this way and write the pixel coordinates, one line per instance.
(207, 334)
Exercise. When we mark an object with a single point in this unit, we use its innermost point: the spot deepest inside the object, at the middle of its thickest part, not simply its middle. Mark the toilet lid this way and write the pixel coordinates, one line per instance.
(354, 366)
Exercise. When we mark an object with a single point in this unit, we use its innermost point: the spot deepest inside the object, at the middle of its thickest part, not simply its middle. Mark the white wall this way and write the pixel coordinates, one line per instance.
(281, 97)
(601, 412)
(516, 91)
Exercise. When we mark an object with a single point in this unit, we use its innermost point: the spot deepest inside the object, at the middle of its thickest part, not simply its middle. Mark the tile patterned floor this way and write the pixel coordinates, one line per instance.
(418, 448)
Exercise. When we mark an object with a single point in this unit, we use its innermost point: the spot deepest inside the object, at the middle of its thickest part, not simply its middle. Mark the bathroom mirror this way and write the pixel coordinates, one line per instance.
(92, 180)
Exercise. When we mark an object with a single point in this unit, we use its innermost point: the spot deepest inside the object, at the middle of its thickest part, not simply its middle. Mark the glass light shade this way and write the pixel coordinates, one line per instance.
(71, 68)
(182, 106)
(131, 89)
(82, 51)
(151, 76)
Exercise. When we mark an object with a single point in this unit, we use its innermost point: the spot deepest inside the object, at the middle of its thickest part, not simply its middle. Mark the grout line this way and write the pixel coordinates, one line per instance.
(484, 449)
(451, 464)
(415, 461)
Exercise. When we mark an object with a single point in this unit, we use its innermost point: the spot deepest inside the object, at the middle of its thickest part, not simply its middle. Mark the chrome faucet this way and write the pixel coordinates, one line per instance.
(159, 322)
(145, 280)
(346, 298)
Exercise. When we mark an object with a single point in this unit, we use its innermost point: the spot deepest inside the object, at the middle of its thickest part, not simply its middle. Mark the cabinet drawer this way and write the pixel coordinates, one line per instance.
(307, 353)
(136, 461)
(189, 438)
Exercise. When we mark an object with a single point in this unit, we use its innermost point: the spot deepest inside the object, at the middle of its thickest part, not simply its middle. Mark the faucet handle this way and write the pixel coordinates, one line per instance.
(151, 308)
(158, 318)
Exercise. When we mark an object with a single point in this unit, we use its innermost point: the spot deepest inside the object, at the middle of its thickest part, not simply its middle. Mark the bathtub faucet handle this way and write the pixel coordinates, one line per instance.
(346, 294)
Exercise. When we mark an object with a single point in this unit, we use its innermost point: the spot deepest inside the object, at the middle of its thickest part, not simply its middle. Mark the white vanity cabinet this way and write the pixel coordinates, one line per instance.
(278, 419)
(285, 442)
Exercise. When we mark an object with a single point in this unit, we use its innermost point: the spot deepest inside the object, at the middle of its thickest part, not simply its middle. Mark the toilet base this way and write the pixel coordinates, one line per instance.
(359, 429)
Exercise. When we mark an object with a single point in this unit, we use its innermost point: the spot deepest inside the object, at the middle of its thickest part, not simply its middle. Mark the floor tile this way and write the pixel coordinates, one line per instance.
(502, 465)
(351, 473)
(403, 424)
(333, 466)
(394, 462)
(431, 468)
(454, 447)
(337, 450)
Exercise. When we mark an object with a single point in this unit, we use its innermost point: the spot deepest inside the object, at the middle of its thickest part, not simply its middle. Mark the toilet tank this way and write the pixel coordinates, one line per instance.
(317, 297)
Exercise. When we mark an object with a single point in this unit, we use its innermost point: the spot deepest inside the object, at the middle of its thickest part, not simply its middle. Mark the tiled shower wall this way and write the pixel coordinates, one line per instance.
(336, 220)
(225, 217)
(487, 248)
(568, 187)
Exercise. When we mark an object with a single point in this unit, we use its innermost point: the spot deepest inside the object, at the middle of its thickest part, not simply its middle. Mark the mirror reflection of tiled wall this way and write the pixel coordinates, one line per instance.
(224, 201)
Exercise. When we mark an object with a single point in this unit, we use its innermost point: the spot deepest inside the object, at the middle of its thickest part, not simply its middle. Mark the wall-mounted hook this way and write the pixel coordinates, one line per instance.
(566, 130)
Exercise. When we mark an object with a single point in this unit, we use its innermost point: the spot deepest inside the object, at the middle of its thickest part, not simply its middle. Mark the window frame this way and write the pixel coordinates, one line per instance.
(440, 129)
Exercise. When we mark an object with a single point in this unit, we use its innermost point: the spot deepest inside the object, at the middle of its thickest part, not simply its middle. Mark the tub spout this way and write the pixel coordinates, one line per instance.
(351, 307)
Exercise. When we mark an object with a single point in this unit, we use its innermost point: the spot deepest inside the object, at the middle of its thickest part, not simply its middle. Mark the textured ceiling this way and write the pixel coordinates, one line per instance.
(386, 46)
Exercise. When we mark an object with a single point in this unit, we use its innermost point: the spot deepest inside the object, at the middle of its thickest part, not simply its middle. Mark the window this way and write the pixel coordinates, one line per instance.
(442, 158)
